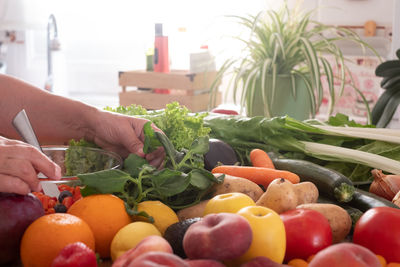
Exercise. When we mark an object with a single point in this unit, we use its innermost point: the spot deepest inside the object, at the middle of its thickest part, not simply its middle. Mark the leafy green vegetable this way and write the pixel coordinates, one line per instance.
(181, 126)
(182, 183)
(78, 159)
(343, 152)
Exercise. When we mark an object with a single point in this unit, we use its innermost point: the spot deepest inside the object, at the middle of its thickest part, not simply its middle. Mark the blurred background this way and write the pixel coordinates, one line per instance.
(89, 42)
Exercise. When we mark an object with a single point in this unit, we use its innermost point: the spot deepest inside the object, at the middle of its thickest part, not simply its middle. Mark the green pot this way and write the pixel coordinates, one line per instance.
(284, 101)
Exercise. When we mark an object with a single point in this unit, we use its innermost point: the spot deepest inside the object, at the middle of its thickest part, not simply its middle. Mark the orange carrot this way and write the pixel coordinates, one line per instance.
(258, 175)
(260, 158)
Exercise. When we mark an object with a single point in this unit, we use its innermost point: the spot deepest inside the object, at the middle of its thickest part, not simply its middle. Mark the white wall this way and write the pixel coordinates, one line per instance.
(100, 38)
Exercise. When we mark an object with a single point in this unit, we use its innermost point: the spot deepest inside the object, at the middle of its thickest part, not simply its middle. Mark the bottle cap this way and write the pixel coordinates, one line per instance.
(158, 28)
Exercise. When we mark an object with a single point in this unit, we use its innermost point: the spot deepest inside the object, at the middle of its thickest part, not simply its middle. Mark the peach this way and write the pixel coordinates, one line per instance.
(157, 258)
(204, 263)
(345, 255)
(218, 236)
(148, 244)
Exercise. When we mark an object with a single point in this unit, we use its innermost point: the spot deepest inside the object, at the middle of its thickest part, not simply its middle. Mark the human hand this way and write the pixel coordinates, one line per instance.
(19, 165)
(122, 134)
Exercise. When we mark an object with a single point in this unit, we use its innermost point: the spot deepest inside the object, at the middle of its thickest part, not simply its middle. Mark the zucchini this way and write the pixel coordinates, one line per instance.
(389, 110)
(328, 182)
(364, 201)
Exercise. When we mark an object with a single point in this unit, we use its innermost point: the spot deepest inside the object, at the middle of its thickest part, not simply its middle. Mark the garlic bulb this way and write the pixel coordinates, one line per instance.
(385, 186)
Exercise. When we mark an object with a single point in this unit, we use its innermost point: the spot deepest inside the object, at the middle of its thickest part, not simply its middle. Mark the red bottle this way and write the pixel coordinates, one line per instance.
(161, 59)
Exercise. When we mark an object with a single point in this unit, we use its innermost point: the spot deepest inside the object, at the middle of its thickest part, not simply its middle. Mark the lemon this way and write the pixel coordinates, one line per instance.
(163, 215)
(129, 236)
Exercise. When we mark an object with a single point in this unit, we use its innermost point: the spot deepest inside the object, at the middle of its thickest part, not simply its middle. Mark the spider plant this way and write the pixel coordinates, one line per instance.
(287, 43)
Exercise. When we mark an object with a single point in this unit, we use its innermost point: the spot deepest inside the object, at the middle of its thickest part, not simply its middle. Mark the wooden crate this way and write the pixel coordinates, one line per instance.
(189, 89)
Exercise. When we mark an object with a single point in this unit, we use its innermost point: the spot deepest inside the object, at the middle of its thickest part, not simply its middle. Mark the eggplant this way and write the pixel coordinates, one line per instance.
(219, 153)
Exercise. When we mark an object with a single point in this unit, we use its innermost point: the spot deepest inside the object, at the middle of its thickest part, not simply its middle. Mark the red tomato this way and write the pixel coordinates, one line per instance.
(225, 111)
(379, 230)
(307, 232)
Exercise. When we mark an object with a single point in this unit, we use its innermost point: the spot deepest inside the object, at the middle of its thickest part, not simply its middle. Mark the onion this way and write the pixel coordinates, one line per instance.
(385, 186)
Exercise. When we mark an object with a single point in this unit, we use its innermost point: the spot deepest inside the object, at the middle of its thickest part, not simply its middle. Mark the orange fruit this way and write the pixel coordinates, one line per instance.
(105, 214)
(49, 234)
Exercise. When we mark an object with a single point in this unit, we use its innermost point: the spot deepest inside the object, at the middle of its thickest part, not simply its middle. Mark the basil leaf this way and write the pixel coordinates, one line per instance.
(133, 164)
(199, 180)
(168, 182)
(200, 145)
(105, 182)
(150, 140)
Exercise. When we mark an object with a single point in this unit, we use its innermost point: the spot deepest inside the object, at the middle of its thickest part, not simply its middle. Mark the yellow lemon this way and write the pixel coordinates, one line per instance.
(129, 236)
(163, 215)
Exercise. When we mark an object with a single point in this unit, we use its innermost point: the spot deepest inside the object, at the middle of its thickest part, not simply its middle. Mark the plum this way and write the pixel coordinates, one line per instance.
(17, 212)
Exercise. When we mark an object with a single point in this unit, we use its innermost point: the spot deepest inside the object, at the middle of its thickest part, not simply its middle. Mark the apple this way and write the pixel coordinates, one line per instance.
(204, 263)
(17, 212)
(262, 262)
(157, 258)
(307, 232)
(148, 244)
(345, 255)
(218, 236)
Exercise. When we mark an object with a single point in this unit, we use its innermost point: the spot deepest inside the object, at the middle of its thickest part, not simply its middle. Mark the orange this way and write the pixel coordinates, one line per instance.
(105, 215)
(49, 234)
(298, 263)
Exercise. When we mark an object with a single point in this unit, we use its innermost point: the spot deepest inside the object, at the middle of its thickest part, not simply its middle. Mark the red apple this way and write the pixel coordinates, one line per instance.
(204, 263)
(17, 212)
(307, 232)
(218, 236)
(148, 244)
(345, 255)
(157, 258)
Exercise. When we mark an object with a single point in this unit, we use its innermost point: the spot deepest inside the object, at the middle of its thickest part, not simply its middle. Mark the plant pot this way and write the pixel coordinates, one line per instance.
(284, 101)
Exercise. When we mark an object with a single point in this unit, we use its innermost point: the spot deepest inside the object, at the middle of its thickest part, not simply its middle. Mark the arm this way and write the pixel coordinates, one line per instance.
(55, 119)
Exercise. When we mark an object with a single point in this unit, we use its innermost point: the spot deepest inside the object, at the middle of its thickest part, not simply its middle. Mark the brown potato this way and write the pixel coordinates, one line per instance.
(233, 184)
(338, 218)
(279, 196)
(192, 212)
(306, 192)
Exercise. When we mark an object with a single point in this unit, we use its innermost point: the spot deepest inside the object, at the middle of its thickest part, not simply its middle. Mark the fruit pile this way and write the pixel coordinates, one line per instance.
(68, 196)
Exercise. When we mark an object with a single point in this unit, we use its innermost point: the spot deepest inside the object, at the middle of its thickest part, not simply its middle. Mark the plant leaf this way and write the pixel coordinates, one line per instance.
(169, 183)
(105, 182)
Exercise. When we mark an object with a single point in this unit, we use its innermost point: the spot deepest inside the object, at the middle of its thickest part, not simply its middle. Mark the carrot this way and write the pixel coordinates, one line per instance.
(258, 175)
(260, 158)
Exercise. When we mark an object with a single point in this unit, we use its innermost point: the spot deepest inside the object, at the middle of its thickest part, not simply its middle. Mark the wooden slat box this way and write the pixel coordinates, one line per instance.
(189, 89)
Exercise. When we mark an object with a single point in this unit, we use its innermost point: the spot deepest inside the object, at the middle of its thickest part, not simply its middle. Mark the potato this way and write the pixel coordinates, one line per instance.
(306, 192)
(235, 184)
(193, 211)
(279, 196)
(338, 218)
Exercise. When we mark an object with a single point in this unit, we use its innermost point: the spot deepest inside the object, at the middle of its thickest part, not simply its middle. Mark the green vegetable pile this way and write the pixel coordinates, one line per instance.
(78, 159)
(352, 150)
(181, 126)
(181, 183)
